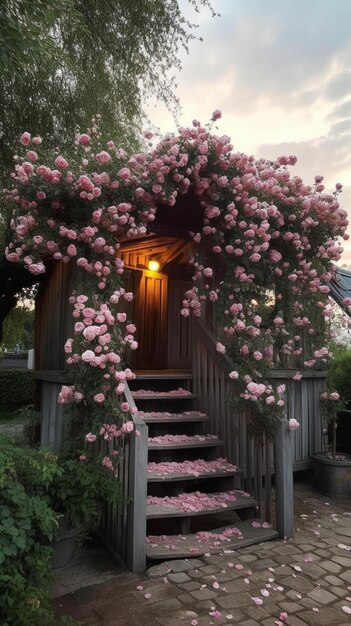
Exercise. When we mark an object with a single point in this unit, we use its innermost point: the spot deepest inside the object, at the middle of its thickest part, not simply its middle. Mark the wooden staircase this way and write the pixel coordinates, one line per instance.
(195, 502)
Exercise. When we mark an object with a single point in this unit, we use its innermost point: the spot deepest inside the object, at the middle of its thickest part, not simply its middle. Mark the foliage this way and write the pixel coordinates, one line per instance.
(16, 388)
(267, 244)
(37, 489)
(78, 492)
(27, 525)
(32, 422)
(53, 53)
(18, 327)
(340, 373)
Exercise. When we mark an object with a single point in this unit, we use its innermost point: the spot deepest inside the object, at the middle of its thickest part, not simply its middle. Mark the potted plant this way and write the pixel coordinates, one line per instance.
(332, 468)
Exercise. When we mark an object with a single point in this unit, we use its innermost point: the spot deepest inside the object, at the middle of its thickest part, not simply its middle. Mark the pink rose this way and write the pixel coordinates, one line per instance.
(83, 458)
(84, 139)
(25, 139)
(106, 462)
(90, 437)
(125, 407)
(61, 162)
(275, 256)
(334, 396)
(234, 375)
(88, 356)
(216, 115)
(220, 347)
(99, 397)
(293, 424)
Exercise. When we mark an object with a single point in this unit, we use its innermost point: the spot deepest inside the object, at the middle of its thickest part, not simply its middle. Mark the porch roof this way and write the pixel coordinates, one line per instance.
(340, 288)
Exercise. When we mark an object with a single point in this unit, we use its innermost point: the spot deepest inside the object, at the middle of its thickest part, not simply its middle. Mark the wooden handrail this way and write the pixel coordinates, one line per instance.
(209, 339)
(137, 489)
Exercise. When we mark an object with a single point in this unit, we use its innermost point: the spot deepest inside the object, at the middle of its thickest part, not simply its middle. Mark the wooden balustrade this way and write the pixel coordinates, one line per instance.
(125, 531)
(230, 420)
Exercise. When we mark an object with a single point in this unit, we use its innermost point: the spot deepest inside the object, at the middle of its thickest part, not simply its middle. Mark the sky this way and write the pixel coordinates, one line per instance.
(280, 72)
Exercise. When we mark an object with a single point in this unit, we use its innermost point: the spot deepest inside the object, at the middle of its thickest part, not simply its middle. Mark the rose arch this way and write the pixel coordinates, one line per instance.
(262, 245)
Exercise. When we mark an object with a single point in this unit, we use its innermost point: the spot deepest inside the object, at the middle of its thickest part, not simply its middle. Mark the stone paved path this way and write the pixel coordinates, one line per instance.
(306, 581)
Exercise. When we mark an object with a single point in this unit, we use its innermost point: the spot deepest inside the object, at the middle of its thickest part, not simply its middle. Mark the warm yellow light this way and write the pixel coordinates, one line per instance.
(153, 266)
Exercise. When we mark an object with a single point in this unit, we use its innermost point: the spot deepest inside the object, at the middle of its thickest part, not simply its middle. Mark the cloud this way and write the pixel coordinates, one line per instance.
(269, 50)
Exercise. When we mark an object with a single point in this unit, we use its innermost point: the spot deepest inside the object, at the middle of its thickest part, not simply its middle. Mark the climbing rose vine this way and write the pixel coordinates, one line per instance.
(263, 256)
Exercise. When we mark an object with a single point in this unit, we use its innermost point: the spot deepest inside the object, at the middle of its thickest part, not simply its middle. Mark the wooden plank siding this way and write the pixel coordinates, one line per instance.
(179, 327)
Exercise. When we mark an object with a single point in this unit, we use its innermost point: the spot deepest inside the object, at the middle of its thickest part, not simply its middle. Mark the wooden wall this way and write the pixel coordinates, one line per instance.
(179, 327)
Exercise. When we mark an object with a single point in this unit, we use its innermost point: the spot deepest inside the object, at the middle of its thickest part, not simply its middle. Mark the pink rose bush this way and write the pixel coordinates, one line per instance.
(275, 238)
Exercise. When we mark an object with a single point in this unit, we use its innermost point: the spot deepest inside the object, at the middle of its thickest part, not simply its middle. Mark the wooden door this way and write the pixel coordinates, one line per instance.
(150, 314)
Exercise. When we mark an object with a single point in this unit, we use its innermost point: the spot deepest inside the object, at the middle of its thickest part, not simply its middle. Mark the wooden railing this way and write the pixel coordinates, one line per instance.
(125, 531)
(230, 421)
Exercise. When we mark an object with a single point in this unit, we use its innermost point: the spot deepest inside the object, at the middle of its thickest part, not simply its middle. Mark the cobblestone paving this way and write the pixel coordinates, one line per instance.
(305, 581)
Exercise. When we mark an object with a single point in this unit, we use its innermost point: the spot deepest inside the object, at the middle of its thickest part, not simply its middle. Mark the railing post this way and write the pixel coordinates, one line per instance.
(136, 532)
(284, 479)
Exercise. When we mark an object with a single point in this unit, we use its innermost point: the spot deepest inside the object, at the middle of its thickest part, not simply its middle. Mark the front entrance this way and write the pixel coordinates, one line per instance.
(163, 335)
(150, 315)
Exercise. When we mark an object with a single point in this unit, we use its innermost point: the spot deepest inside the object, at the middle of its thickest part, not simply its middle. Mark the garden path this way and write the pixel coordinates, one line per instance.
(302, 582)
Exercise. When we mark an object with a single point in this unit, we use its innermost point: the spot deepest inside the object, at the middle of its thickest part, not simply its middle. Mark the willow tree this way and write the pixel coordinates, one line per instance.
(62, 62)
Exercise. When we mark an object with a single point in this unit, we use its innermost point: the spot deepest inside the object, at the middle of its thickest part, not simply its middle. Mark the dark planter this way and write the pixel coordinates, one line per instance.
(332, 477)
(64, 548)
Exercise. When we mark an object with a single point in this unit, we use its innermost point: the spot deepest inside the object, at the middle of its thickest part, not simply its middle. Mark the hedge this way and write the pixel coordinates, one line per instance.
(16, 388)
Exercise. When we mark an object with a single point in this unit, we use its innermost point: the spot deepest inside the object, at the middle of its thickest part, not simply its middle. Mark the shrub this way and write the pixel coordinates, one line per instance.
(16, 388)
(340, 373)
(27, 525)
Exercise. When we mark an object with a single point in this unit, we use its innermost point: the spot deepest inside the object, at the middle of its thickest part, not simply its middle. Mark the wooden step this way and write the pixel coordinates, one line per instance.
(163, 374)
(186, 445)
(175, 418)
(152, 477)
(161, 396)
(157, 511)
(185, 546)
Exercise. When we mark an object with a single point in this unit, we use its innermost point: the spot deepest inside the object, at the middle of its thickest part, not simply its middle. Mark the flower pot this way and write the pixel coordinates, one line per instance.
(64, 548)
(332, 476)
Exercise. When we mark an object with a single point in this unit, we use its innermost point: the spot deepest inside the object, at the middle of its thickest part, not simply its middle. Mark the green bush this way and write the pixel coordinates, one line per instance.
(16, 388)
(340, 373)
(27, 526)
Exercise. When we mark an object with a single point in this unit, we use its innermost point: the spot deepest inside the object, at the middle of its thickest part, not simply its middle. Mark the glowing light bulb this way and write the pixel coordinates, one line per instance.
(153, 266)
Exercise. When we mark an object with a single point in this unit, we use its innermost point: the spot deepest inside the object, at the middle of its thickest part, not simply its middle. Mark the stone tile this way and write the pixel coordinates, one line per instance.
(301, 584)
(210, 569)
(178, 578)
(289, 607)
(249, 622)
(342, 560)
(191, 586)
(325, 617)
(178, 617)
(264, 564)
(203, 594)
(157, 571)
(313, 571)
(346, 576)
(248, 558)
(330, 566)
(297, 621)
(234, 600)
(322, 596)
(183, 565)
(322, 553)
(258, 612)
(338, 591)
(333, 580)
(195, 573)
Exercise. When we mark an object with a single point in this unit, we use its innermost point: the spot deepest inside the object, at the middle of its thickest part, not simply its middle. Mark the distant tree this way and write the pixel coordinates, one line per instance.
(18, 327)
